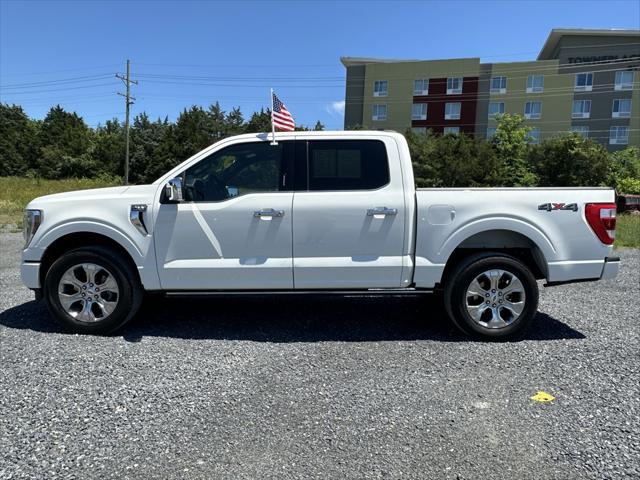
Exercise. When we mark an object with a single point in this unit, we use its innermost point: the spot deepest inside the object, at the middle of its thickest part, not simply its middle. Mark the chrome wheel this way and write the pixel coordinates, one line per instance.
(88, 292)
(495, 298)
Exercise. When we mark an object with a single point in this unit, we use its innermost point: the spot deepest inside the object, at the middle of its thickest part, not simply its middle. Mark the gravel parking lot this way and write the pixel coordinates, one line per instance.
(321, 388)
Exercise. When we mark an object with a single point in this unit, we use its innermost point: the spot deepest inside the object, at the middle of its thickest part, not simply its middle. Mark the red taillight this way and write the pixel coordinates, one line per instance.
(602, 219)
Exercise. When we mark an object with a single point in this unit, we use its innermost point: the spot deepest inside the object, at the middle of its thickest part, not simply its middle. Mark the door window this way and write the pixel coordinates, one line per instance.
(236, 170)
(347, 165)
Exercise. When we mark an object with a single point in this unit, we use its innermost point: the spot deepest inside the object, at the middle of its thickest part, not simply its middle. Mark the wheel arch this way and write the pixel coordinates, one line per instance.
(76, 240)
(499, 241)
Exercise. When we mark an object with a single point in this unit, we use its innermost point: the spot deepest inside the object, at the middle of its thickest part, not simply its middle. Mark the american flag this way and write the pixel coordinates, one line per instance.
(281, 117)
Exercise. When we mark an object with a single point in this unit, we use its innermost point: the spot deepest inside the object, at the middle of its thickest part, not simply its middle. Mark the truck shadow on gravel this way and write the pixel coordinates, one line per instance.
(288, 319)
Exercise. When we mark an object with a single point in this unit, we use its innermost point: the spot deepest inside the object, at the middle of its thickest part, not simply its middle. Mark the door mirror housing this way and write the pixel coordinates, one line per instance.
(173, 191)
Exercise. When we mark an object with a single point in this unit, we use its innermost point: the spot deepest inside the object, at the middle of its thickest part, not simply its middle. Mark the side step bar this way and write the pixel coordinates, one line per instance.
(363, 293)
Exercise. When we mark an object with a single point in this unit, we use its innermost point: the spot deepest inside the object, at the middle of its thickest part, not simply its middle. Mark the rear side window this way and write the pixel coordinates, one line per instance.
(347, 165)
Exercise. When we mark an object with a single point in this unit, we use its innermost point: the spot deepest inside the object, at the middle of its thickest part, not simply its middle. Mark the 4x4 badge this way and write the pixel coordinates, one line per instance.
(558, 206)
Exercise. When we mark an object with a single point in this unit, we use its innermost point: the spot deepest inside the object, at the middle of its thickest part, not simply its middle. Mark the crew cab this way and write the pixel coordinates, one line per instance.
(318, 212)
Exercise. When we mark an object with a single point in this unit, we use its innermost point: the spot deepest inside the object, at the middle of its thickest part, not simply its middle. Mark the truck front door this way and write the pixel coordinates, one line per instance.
(234, 229)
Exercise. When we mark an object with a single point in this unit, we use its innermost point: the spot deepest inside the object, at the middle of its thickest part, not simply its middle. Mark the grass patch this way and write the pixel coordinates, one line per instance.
(16, 192)
(628, 230)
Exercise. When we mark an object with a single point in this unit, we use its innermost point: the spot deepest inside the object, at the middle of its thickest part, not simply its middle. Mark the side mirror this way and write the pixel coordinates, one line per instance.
(173, 191)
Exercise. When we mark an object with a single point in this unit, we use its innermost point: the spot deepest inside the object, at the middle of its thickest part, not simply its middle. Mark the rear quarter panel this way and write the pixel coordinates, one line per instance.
(448, 217)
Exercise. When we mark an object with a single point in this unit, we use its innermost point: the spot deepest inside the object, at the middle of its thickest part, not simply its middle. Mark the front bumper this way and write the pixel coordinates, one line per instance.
(30, 274)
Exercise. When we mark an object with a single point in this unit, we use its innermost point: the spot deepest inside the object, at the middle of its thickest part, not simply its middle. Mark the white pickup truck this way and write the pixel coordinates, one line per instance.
(314, 211)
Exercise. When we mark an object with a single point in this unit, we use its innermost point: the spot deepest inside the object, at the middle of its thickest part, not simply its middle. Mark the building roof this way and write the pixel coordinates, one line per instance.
(557, 33)
(351, 61)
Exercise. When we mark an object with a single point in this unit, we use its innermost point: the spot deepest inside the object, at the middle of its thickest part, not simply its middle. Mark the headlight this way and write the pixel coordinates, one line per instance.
(32, 220)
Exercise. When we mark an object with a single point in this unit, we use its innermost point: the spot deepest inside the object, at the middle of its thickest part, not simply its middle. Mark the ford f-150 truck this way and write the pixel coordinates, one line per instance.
(315, 212)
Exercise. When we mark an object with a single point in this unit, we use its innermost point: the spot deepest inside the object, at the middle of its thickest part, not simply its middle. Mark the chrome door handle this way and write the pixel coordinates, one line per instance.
(268, 212)
(381, 211)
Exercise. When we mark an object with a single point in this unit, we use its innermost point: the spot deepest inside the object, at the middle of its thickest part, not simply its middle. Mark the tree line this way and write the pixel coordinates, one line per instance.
(62, 145)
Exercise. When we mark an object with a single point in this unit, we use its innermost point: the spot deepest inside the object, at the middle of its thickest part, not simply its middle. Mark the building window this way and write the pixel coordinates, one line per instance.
(584, 82)
(532, 110)
(451, 130)
(491, 131)
(452, 111)
(619, 135)
(421, 87)
(581, 130)
(621, 108)
(419, 111)
(495, 108)
(380, 88)
(581, 109)
(454, 85)
(534, 136)
(535, 83)
(379, 112)
(624, 80)
(419, 130)
(499, 85)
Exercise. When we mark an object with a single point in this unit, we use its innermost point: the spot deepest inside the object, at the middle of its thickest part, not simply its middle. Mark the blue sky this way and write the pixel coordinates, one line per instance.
(197, 52)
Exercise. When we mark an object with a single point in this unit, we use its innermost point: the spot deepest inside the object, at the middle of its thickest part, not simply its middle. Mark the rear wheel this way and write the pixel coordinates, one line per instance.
(92, 290)
(492, 296)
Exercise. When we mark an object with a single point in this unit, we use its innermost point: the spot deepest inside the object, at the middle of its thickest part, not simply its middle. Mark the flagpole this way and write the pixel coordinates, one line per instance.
(273, 127)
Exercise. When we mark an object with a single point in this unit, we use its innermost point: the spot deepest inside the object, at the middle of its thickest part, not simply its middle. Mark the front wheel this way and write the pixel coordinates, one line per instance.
(491, 296)
(92, 290)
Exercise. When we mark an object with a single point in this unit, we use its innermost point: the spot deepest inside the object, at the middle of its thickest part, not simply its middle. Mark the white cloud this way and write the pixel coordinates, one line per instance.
(336, 108)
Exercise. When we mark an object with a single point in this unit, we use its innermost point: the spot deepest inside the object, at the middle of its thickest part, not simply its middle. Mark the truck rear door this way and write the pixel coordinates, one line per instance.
(348, 214)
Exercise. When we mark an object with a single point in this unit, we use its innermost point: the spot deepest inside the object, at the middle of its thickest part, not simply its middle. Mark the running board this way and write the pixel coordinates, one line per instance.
(364, 293)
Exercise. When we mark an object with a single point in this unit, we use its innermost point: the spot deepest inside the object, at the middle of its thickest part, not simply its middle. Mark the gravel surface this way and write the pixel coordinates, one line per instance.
(321, 388)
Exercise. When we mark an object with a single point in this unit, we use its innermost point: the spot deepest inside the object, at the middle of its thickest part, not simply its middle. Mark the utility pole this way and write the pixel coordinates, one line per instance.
(128, 102)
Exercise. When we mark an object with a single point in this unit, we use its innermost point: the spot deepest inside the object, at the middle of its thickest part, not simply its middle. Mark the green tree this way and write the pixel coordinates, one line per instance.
(570, 161)
(511, 145)
(18, 147)
(259, 122)
(109, 149)
(65, 141)
(624, 169)
(453, 161)
(153, 148)
(318, 126)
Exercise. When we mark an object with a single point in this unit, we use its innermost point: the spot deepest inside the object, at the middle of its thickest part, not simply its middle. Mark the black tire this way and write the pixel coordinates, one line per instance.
(455, 298)
(129, 297)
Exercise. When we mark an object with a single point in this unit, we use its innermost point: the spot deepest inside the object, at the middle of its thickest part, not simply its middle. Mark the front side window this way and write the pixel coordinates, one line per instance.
(491, 131)
(535, 83)
(534, 136)
(581, 109)
(421, 87)
(624, 80)
(532, 110)
(499, 85)
(581, 130)
(619, 135)
(234, 171)
(584, 82)
(495, 108)
(452, 111)
(451, 130)
(621, 108)
(379, 112)
(380, 88)
(454, 85)
(419, 111)
(347, 165)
